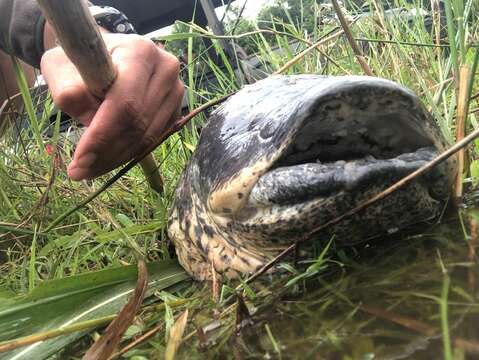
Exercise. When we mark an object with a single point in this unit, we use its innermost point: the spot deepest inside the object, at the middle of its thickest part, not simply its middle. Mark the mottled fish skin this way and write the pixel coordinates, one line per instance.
(214, 224)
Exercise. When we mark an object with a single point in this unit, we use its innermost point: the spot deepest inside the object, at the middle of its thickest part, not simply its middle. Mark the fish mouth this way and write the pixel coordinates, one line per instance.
(353, 139)
(294, 184)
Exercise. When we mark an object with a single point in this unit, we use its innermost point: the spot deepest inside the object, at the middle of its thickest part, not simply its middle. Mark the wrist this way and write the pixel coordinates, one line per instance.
(112, 20)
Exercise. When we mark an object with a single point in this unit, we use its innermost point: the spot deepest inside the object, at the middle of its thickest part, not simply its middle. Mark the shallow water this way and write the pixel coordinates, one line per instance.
(378, 301)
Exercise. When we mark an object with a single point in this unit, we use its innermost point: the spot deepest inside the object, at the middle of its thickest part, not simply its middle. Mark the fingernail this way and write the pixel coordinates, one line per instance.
(77, 174)
(81, 167)
(87, 160)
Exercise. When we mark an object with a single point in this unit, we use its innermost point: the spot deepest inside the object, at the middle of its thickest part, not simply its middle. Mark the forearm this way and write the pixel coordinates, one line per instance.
(23, 33)
(8, 83)
(21, 30)
(23, 37)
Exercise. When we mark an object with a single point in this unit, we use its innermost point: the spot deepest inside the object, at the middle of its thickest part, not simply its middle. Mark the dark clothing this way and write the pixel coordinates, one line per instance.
(21, 30)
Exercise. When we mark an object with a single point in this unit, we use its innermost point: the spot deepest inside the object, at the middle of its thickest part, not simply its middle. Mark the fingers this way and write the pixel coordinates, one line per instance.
(167, 93)
(169, 113)
(97, 154)
(68, 91)
(139, 107)
(165, 76)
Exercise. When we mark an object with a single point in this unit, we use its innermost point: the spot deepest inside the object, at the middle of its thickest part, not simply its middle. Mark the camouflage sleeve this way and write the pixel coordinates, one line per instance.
(21, 30)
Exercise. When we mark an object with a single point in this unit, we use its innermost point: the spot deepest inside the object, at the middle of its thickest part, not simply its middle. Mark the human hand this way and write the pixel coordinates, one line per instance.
(143, 102)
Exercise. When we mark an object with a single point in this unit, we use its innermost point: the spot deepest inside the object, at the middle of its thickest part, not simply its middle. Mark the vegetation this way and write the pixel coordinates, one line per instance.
(411, 295)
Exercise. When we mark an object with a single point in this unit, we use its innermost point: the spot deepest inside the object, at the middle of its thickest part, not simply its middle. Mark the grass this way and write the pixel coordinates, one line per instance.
(321, 308)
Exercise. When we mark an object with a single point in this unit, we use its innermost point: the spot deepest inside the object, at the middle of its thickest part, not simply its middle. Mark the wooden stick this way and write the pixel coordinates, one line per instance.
(81, 40)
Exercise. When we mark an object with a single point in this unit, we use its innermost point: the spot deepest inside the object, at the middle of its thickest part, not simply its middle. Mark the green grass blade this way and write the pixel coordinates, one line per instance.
(33, 256)
(451, 32)
(63, 302)
(446, 339)
(27, 100)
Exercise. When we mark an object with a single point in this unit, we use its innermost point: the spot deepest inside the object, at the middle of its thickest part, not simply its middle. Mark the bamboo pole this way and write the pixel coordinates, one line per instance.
(81, 40)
